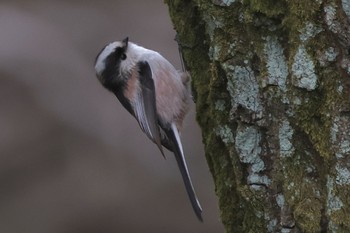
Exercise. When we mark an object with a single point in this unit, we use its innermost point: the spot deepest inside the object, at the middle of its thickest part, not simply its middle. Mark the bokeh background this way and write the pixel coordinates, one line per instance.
(71, 158)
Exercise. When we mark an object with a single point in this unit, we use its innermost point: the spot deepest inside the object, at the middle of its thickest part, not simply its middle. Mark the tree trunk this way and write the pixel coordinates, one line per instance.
(271, 80)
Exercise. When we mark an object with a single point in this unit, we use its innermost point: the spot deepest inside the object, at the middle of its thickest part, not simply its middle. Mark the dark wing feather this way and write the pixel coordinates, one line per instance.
(145, 109)
(146, 113)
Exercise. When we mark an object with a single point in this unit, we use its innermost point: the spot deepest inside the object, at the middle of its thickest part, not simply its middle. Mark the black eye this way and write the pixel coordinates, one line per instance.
(123, 56)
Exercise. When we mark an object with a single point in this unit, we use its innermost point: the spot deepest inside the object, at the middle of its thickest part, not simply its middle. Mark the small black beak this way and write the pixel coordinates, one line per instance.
(125, 42)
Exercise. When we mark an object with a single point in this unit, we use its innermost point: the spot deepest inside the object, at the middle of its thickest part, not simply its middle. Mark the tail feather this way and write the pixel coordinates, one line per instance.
(181, 162)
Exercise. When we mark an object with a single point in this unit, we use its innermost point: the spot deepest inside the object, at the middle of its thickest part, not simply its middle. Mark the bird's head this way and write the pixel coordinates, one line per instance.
(113, 63)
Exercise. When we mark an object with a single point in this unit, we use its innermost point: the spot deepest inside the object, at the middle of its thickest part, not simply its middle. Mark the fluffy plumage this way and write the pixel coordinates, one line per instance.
(154, 92)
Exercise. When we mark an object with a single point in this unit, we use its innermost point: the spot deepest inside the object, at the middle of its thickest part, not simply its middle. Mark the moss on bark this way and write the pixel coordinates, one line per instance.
(269, 79)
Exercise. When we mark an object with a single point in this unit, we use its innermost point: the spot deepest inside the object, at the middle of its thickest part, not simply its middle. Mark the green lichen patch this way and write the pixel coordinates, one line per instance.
(333, 202)
(276, 64)
(331, 17)
(303, 70)
(336, 208)
(327, 56)
(346, 7)
(309, 31)
(220, 105)
(247, 145)
(223, 2)
(285, 135)
(243, 87)
(225, 133)
(343, 175)
(340, 137)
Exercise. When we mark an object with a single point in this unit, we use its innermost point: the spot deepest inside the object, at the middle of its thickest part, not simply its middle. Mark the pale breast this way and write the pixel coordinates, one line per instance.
(171, 94)
(132, 86)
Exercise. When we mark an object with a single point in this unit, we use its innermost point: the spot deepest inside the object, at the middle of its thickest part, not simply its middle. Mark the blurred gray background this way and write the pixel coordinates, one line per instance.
(71, 158)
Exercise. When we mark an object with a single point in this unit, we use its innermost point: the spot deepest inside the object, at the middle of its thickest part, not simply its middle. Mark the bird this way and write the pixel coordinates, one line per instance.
(156, 94)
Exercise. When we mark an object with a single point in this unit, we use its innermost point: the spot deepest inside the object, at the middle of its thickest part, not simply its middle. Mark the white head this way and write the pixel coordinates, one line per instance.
(115, 61)
(100, 63)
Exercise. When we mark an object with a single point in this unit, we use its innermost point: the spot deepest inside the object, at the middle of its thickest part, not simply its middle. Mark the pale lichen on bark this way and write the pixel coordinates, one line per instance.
(271, 83)
(276, 63)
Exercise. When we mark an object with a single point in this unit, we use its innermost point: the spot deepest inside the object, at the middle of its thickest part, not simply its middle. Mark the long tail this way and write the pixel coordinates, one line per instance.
(173, 135)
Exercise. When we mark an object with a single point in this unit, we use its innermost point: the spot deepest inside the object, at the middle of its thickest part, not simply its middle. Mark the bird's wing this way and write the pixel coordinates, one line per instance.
(173, 137)
(145, 105)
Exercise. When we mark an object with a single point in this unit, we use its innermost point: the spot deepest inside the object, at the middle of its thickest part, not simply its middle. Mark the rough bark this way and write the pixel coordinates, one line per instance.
(271, 84)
